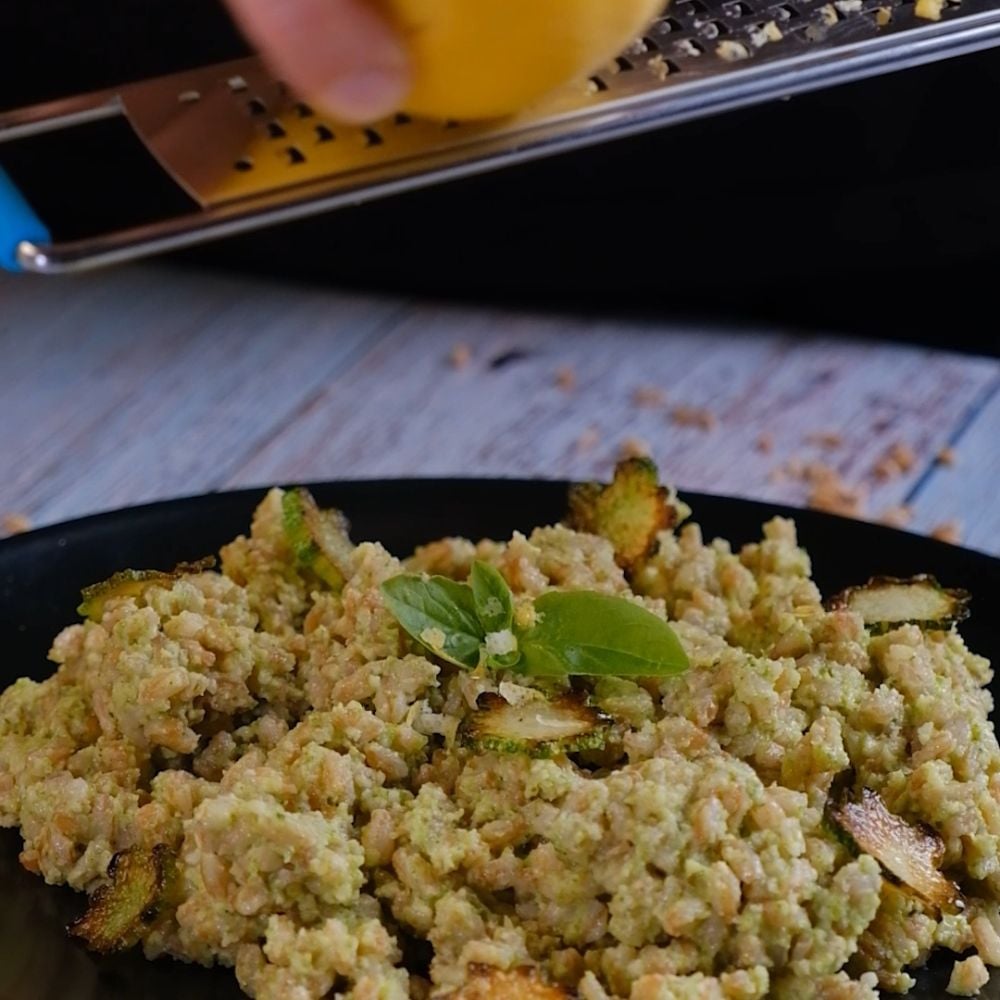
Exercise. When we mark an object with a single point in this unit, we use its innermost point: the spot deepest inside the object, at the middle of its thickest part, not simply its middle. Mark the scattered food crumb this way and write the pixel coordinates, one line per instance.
(897, 517)
(566, 378)
(903, 455)
(795, 468)
(946, 457)
(686, 47)
(769, 32)
(732, 51)
(777, 475)
(828, 490)
(883, 16)
(765, 443)
(847, 6)
(648, 397)
(588, 439)
(817, 473)
(897, 461)
(825, 439)
(460, 356)
(693, 416)
(947, 531)
(828, 14)
(15, 524)
(968, 977)
(634, 447)
(929, 10)
(659, 67)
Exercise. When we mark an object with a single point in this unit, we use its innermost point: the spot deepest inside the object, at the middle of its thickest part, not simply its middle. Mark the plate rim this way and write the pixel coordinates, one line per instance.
(105, 518)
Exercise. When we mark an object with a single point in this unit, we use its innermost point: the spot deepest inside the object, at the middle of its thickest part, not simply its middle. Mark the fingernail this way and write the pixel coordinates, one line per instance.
(366, 94)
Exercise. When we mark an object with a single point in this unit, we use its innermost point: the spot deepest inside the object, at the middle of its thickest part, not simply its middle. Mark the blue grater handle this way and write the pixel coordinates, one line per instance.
(17, 223)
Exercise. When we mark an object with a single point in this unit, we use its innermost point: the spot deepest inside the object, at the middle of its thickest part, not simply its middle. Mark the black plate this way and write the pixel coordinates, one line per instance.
(41, 575)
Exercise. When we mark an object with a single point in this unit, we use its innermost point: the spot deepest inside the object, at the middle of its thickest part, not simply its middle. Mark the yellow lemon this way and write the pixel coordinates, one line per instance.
(486, 58)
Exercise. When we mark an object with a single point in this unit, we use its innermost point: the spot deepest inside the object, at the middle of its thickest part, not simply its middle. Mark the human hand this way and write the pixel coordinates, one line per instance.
(341, 55)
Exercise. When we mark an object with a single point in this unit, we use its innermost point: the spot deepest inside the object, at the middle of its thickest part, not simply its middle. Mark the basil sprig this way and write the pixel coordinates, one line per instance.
(578, 632)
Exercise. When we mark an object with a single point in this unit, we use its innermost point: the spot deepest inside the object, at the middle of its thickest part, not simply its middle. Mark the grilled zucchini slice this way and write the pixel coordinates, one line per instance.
(134, 583)
(913, 853)
(630, 512)
(886, 602)
(123, 909)
(319, 539)
(536, 727)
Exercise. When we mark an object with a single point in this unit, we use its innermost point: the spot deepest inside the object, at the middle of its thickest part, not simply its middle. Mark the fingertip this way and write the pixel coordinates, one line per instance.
(340, 55)
(364, 95)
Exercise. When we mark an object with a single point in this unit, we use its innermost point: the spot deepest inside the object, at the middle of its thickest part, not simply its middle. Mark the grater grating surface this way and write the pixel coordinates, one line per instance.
(250, 154)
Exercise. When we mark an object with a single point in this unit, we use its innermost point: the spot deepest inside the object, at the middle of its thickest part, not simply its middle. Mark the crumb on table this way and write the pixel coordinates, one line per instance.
(566, 378)
(648, 397)
(460, 356)
(825, 439)
(14, 524)
(693, 416)
(897, 460)
(634, 447)
(898, 516)
(946, 456)
(765, 443)
(947, 531)
(588, 439)
(831, 493)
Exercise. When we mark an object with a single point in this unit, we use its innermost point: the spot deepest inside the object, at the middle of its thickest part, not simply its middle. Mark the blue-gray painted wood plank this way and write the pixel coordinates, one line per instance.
(146, 382)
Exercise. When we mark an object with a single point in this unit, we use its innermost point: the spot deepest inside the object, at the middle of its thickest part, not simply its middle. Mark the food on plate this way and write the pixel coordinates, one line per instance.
(496, 57)
(885, 603)
(605, 759)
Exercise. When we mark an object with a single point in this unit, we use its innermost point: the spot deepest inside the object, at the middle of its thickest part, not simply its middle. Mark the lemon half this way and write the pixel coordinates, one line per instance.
(478, 59)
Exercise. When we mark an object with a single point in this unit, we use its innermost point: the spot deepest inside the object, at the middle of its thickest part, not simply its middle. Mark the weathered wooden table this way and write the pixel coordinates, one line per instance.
(150, 382)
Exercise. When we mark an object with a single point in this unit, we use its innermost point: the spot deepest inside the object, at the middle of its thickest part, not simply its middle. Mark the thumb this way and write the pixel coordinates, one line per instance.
(340, 55)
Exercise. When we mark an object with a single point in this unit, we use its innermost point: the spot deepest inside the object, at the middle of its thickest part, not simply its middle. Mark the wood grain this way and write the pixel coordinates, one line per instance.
(148, 382)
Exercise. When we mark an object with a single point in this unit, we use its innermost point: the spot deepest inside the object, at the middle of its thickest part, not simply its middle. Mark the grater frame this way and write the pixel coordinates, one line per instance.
(251, 155)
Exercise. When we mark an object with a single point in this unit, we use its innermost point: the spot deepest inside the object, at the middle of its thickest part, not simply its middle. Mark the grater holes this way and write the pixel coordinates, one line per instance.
(401, 119)
(713, 29)
(785, 12)
(623, 65)
(324, 133)
(189, 97)
(243, 165)
(694, 5)
(236, 84)
(295, 156)
(690, 48)
(303, 110)
(372, 138)
(597, 85)
(671, 24)
(256, 107)
(275, 130)
(648, 44)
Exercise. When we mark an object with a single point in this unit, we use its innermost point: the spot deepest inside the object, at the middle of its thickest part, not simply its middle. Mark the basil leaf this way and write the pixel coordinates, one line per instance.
(439, 613)
(494, 600)
(584, 633)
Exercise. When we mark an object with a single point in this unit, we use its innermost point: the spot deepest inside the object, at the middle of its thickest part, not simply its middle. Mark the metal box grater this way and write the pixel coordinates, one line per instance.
(249, 154)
